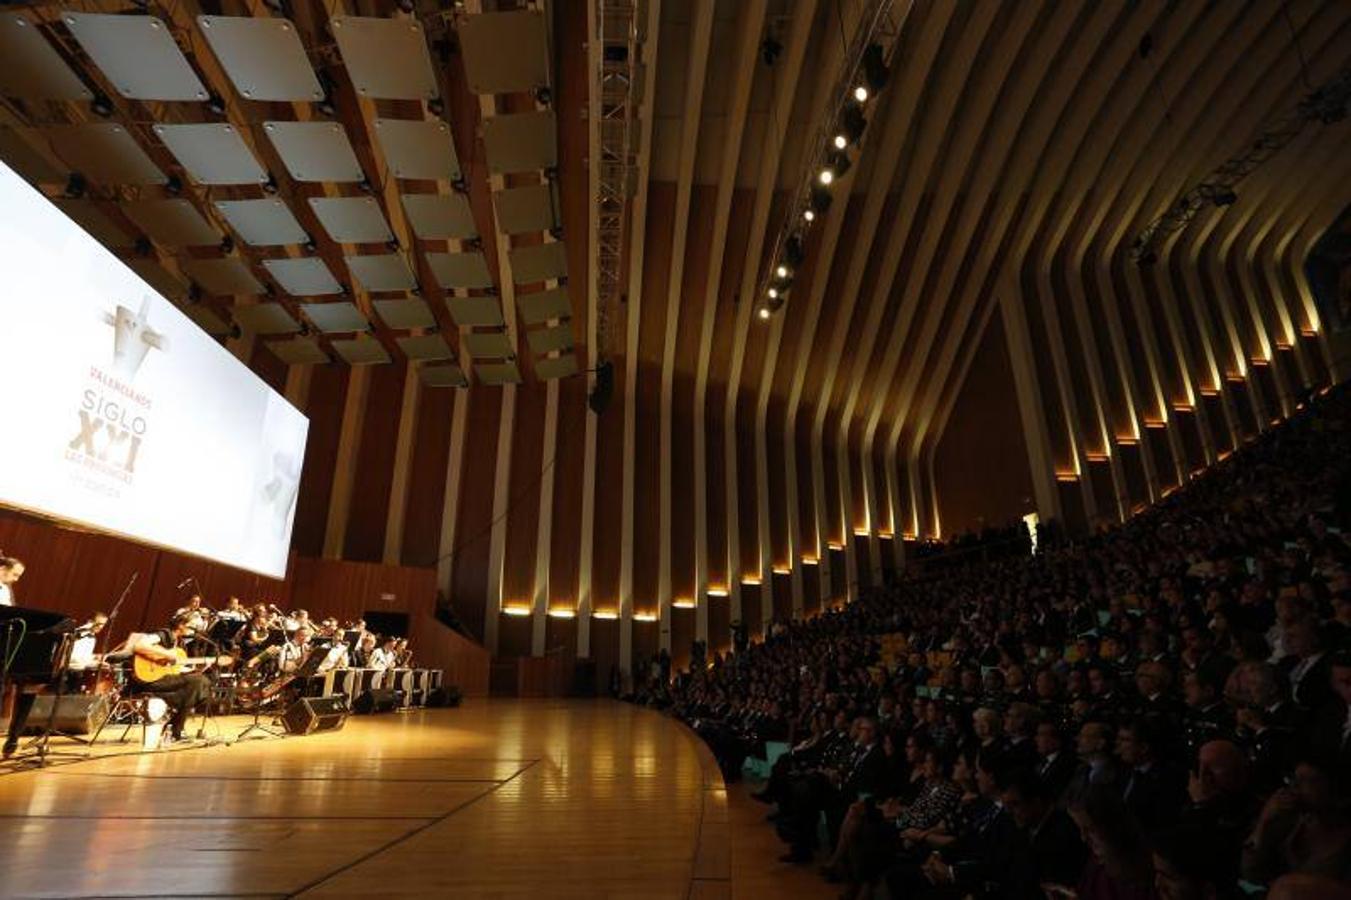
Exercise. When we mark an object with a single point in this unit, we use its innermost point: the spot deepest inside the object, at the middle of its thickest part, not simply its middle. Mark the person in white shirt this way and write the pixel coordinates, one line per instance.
(11, 570)
(234, 611)
(383, 657)
(289, 655)
(82, 656)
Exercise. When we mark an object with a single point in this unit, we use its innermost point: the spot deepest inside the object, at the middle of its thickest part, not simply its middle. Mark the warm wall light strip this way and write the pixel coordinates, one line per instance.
(1207, 391)
(834, 546)
(516, 610)
(717, 591)
(644, 617)
(783, 570)
(683, 603)
(885, 535)
(605, 614)
(563, 613)
(1156, 424)
(810, 561)
(861, 532)
(1067, 477)
(1096, 456)
(750, 580)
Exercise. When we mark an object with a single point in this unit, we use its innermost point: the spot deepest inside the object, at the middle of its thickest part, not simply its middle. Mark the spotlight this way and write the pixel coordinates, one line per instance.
(392, 245)
(436, 106)
(236, 332)
(143, 247)
(270, 186)
(460, 186)
(875, 69)
(861, 94)
(407, 6)
(365, 185)
(543, 96)
(826, 176)
(839, 164)
(216, 103)
(1224, 198)
(227, 245)
(773, 293)
(792, 251)
(852, 125)
(820, 201)
(809, 215)
(174, 186)
(841, 142)
(310, 246)
(75, 186)
(781, 271)
(764, 312)
(101, 106)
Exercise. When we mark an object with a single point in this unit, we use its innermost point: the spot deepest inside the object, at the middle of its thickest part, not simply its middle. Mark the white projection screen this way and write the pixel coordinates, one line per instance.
(121, 414)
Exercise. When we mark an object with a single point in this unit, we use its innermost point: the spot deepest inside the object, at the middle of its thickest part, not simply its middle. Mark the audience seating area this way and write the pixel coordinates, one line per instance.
(1159, 710)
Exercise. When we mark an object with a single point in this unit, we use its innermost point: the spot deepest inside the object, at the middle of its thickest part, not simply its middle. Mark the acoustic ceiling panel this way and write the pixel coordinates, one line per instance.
(265, 318)
(104, 152)
(101, 228)
(556, 366)
(352, 220)
(426, 347)
(520, 142)
(418, 149)
(538, 263)
(383, 272)
(173, 223)
(161, 279)
(547, 340)
(227, 277)
(262, 56)
(262, 223)
(440, 216)
(525, 209)
(212, 153)
(497, 373)
(460, 270)
(315, 151)
(387, 59)
(300, 351)
(137, 54)
(18, 148)
(405, 314)
(303, 277)
(32, 68)
(362, 351)
(331, 317)
(207, 319)
(443, 376)
(468, 311)
(544, 305)
(495, 344)
(505, 51)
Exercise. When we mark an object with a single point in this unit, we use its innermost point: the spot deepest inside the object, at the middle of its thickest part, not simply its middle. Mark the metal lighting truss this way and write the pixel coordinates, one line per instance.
(1325, 105)
(618, 85)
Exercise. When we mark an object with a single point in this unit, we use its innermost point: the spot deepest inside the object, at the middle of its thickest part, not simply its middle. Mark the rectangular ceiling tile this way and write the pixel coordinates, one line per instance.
(525, 209)
(443, 376)
(495, 344)
(335, 317)
(303, 276)
(161, 279)
(387, 59)
(418, 149)
(382, 272)
(265, 318)
(544, 305)
(505, 52)
(460, 270)
(315, 151)
(137, 54)
(212, 153)
(520, 142)
(226, 277)
(105, 153)
(262, 223)
(405, 314)
(440, 216)
(207, 319)
(538, 263)
(362, 351)
(33, 69)
(557, 366)
(263, 56)
(469, 311)
(497, 373)
(425, 347)
(19, 148)
(101, 228)
(173, 223)
(547, 340)
(300, 351)
(352, 220)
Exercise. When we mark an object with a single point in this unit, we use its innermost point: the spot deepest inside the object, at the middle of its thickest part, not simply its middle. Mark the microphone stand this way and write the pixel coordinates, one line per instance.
(214, 680)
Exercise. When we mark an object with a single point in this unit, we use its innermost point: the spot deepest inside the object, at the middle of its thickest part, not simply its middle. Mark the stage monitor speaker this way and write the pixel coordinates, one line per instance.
(446, 696)
(311, 714)
(75, 714)
(599, 400)
(376, 700)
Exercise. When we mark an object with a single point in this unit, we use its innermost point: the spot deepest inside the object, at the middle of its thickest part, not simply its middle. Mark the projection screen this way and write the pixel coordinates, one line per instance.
(121, 414)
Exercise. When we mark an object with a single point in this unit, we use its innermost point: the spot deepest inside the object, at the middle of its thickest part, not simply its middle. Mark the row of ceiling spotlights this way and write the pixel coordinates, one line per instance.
(850, 127)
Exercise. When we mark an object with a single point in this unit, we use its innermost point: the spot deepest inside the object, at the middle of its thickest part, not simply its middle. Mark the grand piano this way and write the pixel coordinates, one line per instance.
(36, 642)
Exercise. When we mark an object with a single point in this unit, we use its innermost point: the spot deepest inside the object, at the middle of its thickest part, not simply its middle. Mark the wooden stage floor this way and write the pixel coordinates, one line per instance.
(501, 799)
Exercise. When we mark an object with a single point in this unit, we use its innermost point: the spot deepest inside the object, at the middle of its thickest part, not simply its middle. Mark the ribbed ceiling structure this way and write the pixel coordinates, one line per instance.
(968, 336)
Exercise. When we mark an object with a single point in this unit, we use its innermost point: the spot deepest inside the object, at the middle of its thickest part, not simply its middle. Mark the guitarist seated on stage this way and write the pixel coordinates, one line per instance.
(183, 691)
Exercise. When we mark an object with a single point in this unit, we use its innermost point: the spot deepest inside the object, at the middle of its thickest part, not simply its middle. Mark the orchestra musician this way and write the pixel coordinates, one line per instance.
(383, 657)
(289, 656)
(82, 655)
(362, 652)
(403, 654)
(197, 615)
(11, 570)
(257, 635)
(234, 611)
(184, 691)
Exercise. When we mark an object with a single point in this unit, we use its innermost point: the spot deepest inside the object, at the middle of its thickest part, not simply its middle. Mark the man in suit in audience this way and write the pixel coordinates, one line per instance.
(1055, 766)
(1154, 788)
(831, 791)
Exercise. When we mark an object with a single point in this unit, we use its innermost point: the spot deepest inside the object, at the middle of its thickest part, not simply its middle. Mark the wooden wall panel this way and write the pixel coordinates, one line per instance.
(565, 537)
(982, 470)
(716, 488)
(606, 535)
(328, 388)
(367, 517)
(473, 528)
(427, 477)
(527, 466)
(747, 499)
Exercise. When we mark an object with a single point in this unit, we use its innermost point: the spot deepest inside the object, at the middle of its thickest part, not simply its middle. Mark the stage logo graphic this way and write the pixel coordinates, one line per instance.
(113, 415)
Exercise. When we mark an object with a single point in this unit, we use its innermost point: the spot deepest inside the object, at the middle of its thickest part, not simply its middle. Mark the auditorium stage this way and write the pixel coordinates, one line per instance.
(502, 798)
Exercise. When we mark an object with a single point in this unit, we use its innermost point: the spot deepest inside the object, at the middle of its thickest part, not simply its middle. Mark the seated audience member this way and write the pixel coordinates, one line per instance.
(1153, 788)
(1303, 829)
(830, 790)
(1054, 765)
(1119, 866)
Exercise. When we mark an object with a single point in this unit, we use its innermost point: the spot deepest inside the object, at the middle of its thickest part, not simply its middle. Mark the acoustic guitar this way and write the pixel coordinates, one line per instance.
(149, 671)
